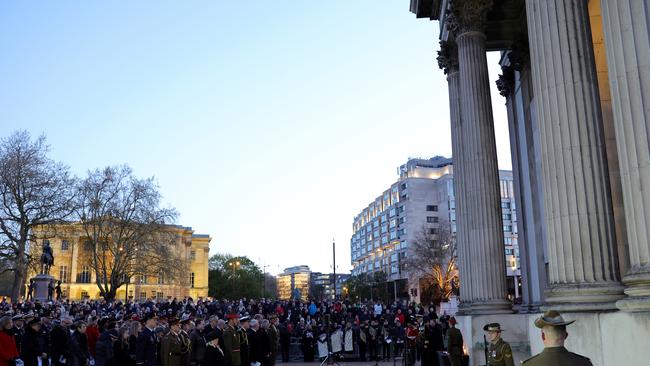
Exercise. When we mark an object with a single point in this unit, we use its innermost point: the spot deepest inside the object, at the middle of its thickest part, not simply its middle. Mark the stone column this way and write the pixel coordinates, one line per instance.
(448, 61)
(480, 194)
(583, 265)
(626, 27)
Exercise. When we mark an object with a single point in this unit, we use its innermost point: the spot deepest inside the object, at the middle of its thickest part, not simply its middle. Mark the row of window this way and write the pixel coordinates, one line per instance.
(87, 246)
(85, 276)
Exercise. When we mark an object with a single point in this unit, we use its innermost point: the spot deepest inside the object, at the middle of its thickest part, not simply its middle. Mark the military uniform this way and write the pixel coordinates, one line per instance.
(186, 347)
(455, 346)
(171, 349)
(146, 348)
(274, 340)
(232, 346)
(500, 354)
(557, 356)
(244, 347)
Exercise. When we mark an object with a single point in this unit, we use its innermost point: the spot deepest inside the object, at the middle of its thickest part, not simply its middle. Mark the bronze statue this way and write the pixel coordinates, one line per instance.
(47, 258)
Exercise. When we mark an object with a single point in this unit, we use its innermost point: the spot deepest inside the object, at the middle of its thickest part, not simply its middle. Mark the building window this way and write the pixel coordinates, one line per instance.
(88, 245)
(432, 208)
(159, 295)
(193, 255)
(142, 279)
(143, 296)
(63, 274)
(507, 217)
(65, 245)
(505, 205)
(84, 276)
(432, 219)
(507, 228)
(161, 277)
(84, 294)
(192, 279)
(433, 231)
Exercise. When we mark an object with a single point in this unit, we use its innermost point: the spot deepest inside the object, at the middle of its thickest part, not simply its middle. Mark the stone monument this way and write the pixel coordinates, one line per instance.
(44, 280)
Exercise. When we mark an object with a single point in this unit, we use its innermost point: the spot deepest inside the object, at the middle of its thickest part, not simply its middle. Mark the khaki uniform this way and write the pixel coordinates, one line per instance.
(455, 346)
(171, 350)
(500, 354)
(244, 347)
(186, 347)
(231, 345)
(557, 356)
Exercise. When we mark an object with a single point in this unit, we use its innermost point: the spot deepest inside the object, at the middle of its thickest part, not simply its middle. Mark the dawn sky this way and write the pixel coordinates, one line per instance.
(268, 125)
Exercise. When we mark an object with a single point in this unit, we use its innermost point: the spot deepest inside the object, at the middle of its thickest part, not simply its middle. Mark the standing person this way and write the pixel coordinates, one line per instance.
(80, 344)
(171, 347)
(214, 354)
(243, 340)
(308, 343)
(50, 290)
(412, 339)
(61, 343)
(274, 338)
(186, 344)
(104, 349)
(554, 335)
(57, 290)
(499, 352)
(363, 340)
(32, 344)
(122, 348)
(231, 341)
(265, 342)
(285, 340)
(348, 339)
(92, 334)
(198, 344)
(18, 331)
(398, 335)
(254, 347)
(8, 351)
(30, 290)
(454, 343)
(146, 349)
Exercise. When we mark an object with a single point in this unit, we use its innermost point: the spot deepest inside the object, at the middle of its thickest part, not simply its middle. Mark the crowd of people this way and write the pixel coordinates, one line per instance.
(211, 332)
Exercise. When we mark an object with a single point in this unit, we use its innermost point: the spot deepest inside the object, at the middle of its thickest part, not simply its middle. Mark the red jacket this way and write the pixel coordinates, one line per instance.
(92, 333)
(8, 351)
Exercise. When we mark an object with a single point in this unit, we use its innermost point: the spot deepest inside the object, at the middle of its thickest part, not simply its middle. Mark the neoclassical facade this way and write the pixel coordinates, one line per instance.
(72, 266)
(576, 82)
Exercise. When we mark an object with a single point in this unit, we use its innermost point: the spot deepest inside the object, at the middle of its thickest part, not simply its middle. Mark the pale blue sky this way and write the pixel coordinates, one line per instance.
(268, 125)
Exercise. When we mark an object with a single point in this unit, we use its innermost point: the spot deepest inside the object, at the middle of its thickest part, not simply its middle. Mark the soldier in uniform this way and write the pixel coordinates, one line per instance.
(274, 338)
(243, 340)
(454, 343)
(186, 343)
(171, 346)
(499, 352)
(231, 341)
(554, 334)
(146, 344)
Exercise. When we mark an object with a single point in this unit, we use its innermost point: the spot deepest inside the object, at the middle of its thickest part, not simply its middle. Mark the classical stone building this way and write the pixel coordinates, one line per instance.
(72, 266)
(576, 82)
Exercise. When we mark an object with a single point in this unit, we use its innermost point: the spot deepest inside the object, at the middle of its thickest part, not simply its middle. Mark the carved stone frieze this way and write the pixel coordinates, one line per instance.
(468, 15)
(506, 81)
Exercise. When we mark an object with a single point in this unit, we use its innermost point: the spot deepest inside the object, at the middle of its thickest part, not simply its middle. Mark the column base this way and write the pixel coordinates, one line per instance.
(637, 289)
(600, 296)
(485, 307)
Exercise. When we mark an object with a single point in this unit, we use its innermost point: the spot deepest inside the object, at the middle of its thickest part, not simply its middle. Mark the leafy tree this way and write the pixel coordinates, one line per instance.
(317, 292)
(35, 191)
(432, 262)
(127, 231)
(234, 277)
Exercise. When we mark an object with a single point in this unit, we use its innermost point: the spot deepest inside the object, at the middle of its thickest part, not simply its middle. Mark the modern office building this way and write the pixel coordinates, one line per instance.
(294, 283)
(422, 199)
(72, 266)
(326, 281)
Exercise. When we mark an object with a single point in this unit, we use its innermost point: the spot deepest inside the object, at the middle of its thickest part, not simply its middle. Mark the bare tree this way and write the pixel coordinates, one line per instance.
(432, 259)
(127, 231)
(35, 191)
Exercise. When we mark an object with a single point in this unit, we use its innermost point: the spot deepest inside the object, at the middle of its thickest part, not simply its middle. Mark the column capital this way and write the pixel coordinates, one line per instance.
(448, 57)
(468, 16)
(506, 81)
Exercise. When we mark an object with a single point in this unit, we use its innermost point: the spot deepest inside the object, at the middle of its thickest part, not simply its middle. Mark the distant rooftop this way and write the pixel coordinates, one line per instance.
(413, 165)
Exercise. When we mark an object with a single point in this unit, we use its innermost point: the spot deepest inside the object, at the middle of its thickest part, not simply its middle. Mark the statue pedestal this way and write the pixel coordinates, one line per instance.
(41, 282)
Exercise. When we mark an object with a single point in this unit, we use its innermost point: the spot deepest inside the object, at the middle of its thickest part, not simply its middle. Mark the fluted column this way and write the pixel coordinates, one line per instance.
(448, 61)
(583, 266)
(481, 195)
(626, 27)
